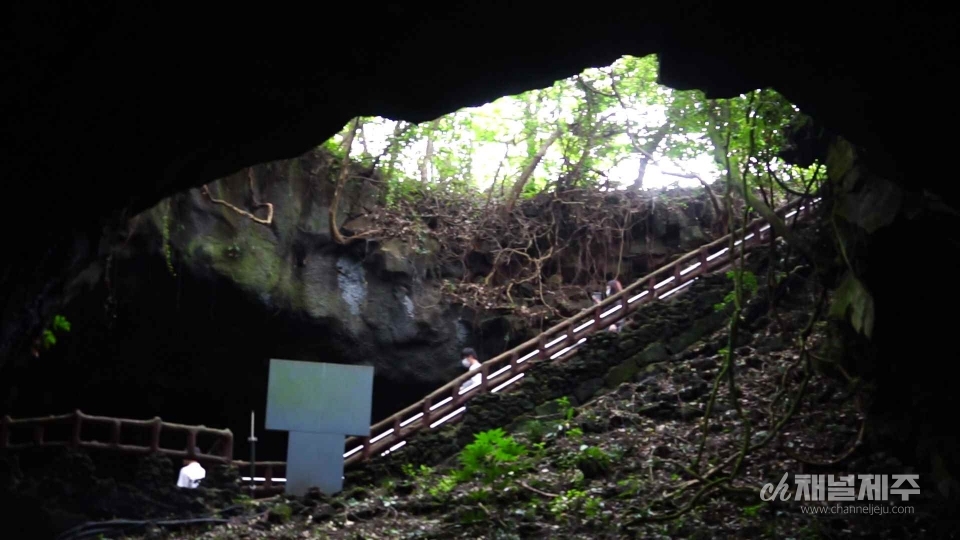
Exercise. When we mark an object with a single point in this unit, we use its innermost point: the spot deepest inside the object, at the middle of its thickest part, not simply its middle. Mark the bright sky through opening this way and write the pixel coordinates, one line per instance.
(504, 118)
(487, 156)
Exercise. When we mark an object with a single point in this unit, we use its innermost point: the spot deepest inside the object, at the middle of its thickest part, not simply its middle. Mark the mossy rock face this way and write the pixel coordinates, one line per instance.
(360, 303)
(426, 447)
(248, 259)
(700, 329)
(395, 257)
(622, 373)
(279, 513)
(655, 352)
(285, 287)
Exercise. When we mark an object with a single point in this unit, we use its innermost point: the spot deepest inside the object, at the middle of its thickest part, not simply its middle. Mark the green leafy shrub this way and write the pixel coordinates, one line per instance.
(444, 485)
(535, 430)
(750, 287)
(590, 461)
(492, 455)
(59, 326)
(568, 410)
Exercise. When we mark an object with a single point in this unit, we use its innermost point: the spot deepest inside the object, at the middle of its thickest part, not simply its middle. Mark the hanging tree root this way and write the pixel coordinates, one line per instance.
(206, 191)
(342, 178)
(709, 485)
(514, 262)
(517, 261)
(706, 480)
(838, 460)
(537, 491)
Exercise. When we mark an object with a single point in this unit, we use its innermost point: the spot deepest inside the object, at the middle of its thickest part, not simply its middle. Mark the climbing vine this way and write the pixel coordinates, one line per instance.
(719, 477)
(167, 249)
(269, 206)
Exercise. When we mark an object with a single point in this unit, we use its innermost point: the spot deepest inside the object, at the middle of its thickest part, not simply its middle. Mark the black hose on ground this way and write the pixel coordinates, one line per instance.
(94, 528)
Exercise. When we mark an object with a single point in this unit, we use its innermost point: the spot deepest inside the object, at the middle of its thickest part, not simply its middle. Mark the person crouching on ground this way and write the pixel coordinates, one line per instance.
(191, 474)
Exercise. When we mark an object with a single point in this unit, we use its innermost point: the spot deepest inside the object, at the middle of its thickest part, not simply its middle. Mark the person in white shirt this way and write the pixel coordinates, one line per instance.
(470, 362)
(191, 474)
(615, 327)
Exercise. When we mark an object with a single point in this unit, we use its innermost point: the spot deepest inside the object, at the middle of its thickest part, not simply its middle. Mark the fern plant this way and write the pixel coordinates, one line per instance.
(60, 325)
(492, 455)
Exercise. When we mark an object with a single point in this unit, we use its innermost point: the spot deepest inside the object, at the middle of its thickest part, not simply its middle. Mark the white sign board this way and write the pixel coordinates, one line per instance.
(319, 404)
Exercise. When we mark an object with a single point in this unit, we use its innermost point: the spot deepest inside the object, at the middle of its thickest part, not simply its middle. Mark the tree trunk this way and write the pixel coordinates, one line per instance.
(646, 150)
(496, 176)
(528, 170)
(363, 141)
(428, 155)
(395, 148)
(341, 181)
(721, 156)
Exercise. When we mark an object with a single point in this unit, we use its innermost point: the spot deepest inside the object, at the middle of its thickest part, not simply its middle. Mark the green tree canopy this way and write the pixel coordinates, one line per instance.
(606, 128)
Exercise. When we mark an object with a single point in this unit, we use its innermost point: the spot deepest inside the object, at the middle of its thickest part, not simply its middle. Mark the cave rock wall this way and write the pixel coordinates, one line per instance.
(191, 298)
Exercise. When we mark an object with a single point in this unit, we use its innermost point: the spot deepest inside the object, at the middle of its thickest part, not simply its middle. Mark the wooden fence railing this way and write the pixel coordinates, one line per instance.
(40, 429)
(269, 476)
(446, 404)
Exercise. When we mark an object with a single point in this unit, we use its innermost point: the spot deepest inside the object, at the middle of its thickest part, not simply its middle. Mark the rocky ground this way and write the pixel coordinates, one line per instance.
(615, 466)
(603, 447)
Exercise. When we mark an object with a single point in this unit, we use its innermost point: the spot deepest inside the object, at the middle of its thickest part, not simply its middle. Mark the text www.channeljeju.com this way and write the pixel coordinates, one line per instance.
(867, 509)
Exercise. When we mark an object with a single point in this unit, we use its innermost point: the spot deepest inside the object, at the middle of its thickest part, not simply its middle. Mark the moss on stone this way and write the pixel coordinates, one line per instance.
(621, 373)
(700, 329)
(294, 172)
(291, 288)
(248, 259)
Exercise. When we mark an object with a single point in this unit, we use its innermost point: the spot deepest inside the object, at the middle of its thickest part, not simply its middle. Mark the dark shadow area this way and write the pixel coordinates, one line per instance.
(192, 350)
(109, 107)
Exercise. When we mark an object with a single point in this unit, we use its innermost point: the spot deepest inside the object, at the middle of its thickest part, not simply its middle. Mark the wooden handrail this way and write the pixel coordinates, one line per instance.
(444, 404)
(555, 342)
(269, 471)
(78, 419)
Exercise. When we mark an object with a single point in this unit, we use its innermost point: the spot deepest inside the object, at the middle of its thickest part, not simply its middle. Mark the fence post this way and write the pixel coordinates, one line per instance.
(155, 434)
(38, 434)
(77, 426)
(192, 444)
(396, 427)
(427, 403)
(651, 286)
(228, 441)
(485, 374)
(542, 342)
(365, 441)
(115, 435)
(267, 477)
(515, 362)
(702, 257)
